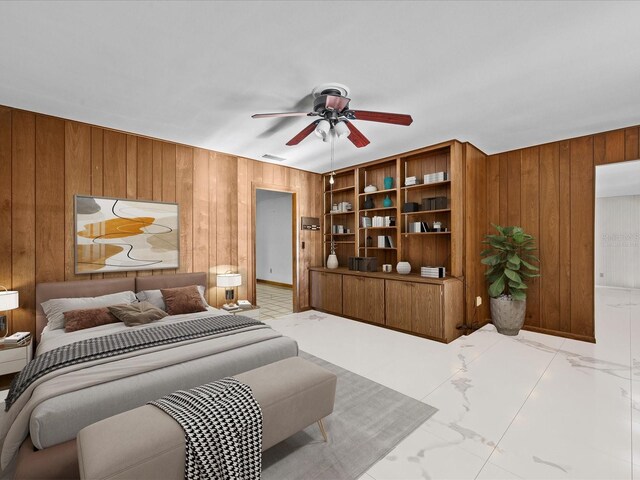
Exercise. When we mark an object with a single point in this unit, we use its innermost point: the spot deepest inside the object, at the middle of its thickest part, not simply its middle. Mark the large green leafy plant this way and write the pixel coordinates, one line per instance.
(508, 258)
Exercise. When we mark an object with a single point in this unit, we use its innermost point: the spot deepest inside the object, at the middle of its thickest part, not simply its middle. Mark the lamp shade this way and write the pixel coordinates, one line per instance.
(8, 300)
(322, 129)
(341, 129)
(229, 280)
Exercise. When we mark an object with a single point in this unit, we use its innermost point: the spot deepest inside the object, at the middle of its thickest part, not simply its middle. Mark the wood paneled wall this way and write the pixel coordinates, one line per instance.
(45, 161)
(475, 222)
(550, 191)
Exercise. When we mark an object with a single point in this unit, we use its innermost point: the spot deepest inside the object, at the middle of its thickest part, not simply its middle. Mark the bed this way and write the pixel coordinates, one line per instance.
(38, 432)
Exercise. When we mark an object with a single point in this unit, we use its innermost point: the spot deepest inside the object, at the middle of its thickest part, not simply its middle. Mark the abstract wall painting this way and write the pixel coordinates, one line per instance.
(120, 235)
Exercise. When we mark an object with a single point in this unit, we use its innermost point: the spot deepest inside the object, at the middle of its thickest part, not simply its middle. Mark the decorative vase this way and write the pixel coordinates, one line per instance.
(387, 201)
(388, 183)
(370, 189)
(403, 268)
(369, 242)
(508, 315)
(368, 202)
(332, 261)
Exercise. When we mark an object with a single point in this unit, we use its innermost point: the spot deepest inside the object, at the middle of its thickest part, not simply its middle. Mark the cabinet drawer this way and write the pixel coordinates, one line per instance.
(12, 366)
(11, 354)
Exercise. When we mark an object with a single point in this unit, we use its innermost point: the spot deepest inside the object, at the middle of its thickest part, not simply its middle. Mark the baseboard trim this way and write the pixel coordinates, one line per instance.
(573, 336)
(275, 284)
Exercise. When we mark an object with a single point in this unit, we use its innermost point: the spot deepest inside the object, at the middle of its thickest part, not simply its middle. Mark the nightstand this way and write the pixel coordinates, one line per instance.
(253, 312)
(13, 358)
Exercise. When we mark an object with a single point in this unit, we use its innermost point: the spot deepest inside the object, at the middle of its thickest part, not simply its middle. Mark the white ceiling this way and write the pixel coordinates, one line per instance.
(501, 75)
(618, 179)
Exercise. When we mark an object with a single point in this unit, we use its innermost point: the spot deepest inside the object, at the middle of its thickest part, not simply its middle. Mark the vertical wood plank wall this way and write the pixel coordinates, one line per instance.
(550, 191)
(45, 161)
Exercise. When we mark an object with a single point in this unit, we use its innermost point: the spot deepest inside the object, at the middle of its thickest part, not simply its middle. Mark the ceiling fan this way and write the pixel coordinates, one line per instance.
(331, 104)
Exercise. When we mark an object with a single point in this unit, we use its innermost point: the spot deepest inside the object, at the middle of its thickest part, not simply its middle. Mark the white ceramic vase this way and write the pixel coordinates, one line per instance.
(403, 268)
(332, 261)
(370, 189)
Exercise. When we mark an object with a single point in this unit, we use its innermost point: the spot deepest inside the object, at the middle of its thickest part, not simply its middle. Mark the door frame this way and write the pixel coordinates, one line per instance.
(295, 234)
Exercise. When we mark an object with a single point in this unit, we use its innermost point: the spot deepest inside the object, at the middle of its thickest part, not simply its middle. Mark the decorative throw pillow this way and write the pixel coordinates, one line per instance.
(154, 297)
(87, 318)
(54, 309)
(137, 313)
(183, 300)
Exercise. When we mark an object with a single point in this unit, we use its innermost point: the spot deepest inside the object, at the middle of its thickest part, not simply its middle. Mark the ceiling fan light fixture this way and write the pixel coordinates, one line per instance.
(322, 129)
(341, 129)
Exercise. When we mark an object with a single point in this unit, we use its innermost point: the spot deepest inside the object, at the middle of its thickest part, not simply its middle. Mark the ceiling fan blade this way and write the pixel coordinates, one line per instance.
(306, 131)
(286, 114)
(383, 117)
(356, 136)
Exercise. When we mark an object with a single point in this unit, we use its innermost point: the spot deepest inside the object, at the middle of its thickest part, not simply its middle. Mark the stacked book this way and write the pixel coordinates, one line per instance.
(379, 221)
(366, 222)
(18, 338)
(385, 241)
(417, 227)
(409, 181)
(435, 177)
(433, 272)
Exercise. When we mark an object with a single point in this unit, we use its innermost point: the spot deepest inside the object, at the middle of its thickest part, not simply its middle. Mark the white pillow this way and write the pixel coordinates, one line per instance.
(54, 309)
(155, 298)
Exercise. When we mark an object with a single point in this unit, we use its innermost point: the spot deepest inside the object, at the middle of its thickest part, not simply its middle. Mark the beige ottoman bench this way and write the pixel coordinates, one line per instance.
(145, 443)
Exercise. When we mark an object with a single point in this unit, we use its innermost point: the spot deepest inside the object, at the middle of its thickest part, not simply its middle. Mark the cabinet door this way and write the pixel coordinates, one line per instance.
(372, 306)
(426, 317)
(326, 291)
(352, 295)
(397, 297)
(363, 298)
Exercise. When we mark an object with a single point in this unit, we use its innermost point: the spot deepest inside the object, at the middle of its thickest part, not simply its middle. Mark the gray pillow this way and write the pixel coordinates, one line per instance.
(54, 309)
(137, 313)
(155, 298)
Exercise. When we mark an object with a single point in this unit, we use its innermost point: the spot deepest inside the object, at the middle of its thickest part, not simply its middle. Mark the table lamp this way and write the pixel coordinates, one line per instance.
(8, 301)
(229, 281)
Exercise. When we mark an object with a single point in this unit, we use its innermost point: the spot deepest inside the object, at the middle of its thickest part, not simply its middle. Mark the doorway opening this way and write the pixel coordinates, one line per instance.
(617, 252)
(275, 258)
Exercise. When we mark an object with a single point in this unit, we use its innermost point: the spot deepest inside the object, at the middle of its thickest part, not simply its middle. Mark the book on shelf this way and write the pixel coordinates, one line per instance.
(386, 241)
(433, 272)
(435, 177)
(18, 338)
(391, 242)
(366, 222)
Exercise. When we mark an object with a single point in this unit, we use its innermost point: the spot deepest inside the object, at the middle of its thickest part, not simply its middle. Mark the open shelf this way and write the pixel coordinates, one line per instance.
(340, 213)
(378, 248)
(442, 210)
(426, 233)
(381, 209)
(377, 192)
(427, 185)
(336, 234)
(338, 190)
(340, 241)
(378, 228)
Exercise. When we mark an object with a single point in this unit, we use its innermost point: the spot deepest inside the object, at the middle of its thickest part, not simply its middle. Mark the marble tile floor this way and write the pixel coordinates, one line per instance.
(273, 301)
(533, 406)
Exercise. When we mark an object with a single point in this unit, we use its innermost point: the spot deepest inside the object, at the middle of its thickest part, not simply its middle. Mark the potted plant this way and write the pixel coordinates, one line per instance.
(508, 258)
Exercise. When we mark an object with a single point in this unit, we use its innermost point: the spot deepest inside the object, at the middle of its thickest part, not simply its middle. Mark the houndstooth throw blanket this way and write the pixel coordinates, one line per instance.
(119, 343)
(222, 423)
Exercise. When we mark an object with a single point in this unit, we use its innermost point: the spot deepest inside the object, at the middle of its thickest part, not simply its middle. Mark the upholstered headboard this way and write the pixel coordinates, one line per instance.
(74, 289)
(169, 281)
(94, 288)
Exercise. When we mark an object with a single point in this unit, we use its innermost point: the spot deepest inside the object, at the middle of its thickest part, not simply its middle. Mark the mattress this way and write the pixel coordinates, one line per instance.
(58, 418)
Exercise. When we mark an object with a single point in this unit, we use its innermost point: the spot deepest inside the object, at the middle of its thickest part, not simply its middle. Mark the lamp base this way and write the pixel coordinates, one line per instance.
(4, 326)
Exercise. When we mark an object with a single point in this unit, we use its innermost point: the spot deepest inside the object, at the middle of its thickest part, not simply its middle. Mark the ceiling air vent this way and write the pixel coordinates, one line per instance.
(275, 158)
